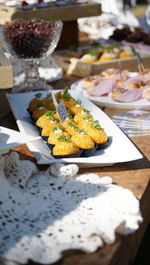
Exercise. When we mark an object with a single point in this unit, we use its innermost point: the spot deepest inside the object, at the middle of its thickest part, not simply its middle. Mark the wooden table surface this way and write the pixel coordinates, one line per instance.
(132, 175)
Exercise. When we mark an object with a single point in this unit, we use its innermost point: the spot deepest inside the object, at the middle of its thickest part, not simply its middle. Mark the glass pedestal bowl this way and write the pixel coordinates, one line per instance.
(29, 41)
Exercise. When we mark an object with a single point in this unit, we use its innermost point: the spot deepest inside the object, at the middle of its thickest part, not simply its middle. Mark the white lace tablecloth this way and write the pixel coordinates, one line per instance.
(43, 213)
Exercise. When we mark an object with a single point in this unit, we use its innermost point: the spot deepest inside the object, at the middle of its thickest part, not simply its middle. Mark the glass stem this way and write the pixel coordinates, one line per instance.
(32, 72)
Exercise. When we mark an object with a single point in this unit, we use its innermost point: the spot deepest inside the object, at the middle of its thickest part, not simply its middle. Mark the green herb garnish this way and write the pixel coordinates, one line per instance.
(96, 44)
(39, 105)
(64, 138)
(93, 53)
(133, 50)
(72, 125)
(72, 48)
(70, 116)
(51, 118)
(95, 125)
(111, 47)
(66, 88)
(50, 113)
(49, 95)
(80, 131)
(59, 127)
(58, 100)
(66, 94)
(87, 117)
(86, 111)
(78, 102)
(38, 95)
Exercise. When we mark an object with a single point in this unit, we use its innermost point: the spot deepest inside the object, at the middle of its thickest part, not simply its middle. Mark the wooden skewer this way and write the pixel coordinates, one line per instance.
(54, 100)
(120, 71)
(139, 67)
(140, 64)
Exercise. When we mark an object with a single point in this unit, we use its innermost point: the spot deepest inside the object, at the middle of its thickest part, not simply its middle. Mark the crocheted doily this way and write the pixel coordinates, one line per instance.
(43, 213)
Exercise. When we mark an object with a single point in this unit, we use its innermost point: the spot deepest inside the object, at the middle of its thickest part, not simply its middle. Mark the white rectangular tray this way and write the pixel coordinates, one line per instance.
(120, 150)
(10, 138)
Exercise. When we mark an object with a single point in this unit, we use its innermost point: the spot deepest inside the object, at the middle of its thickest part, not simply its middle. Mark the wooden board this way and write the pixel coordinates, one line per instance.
(76, 67)
(6, 72)
(64, 13)
(70, 28)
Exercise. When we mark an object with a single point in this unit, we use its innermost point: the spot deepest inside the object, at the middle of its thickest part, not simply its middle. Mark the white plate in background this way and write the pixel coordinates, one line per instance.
(106, 101)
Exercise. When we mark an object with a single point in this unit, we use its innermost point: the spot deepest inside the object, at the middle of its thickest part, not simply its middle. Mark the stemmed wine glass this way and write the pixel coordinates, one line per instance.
(31, 41)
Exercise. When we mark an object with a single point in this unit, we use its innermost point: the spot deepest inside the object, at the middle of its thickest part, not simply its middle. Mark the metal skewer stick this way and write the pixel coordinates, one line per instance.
(121, 75)
(140, 64)
(49, 89)
(139, 60)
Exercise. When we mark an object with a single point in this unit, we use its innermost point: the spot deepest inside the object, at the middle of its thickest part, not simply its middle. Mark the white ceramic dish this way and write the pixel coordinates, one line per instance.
(10, 138)
(106, 101)
(120, 150)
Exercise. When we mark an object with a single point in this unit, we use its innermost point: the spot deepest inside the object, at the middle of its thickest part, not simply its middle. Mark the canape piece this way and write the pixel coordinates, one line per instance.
(89, 57)
(58, 96)
(65, 147)
(69, 119)
(89, 82)
(34, 101)
(109, 73)
(39, 110)
(97, 133)
(72, 51)
(84, 142)
(67, 98)
(55, 133)
(46, 117)
(76, 108)
(48, 128)
(116, 93)
(107, 56)
(54, 114)
(70, 127)
(85, 122)
(126, 53)
(48, 102)
(84, 114)
(110, 52)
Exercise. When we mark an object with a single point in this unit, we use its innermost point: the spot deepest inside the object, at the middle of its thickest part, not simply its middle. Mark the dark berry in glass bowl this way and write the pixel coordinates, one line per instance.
(32, 39)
